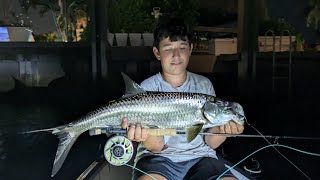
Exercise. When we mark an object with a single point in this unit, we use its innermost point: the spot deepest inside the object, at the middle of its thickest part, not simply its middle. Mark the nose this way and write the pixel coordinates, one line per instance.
(176, 52)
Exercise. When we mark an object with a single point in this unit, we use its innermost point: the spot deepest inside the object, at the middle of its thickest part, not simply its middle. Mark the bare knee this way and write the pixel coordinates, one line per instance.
(152, 177)
(228, 178)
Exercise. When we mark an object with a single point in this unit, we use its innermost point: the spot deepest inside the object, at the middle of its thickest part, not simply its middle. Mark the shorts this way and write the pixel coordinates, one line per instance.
(200, 168)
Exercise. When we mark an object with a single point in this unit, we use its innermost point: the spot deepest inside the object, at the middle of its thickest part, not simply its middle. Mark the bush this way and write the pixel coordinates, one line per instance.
(130, 16)
(135, 15)
(277, 25)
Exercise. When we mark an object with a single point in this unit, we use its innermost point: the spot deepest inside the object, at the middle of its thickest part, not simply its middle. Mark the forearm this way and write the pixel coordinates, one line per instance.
(154, 143)
(214, 141)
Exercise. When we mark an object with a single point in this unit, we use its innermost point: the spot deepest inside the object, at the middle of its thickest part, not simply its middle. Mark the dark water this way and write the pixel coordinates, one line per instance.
(30, 156)
(285, 118)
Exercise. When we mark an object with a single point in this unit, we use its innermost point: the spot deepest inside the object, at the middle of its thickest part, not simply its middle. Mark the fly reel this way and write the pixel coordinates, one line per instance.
(118, 150)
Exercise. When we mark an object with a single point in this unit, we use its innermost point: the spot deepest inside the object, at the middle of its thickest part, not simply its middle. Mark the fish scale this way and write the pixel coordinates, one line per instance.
(188, 111)
(163, 113)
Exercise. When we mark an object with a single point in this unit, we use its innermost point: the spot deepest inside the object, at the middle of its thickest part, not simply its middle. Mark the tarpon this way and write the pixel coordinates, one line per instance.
(185, 111)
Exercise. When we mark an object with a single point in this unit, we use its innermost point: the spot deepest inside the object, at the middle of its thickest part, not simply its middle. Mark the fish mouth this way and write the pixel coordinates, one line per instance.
(240, 118)
(238, 113)
(237, 109)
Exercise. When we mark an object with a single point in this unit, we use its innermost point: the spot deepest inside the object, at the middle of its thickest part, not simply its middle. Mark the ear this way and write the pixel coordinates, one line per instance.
(191, 48)
(156, 53)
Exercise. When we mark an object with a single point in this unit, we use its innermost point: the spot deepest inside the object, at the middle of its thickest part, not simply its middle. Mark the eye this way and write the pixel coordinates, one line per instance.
(183, 47)
(213, 99)
(167, 49)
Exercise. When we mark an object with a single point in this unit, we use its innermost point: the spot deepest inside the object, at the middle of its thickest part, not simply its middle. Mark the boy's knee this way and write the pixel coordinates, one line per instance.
(152, 177)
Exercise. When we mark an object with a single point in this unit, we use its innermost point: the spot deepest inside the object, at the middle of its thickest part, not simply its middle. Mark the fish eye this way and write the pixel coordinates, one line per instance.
(212, 99)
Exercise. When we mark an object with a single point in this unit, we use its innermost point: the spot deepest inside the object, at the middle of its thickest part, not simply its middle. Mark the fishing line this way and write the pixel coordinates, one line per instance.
(133, 167)
(277, 150)
(232, 167)
(253, 136)
(271, 145)
(260, 135)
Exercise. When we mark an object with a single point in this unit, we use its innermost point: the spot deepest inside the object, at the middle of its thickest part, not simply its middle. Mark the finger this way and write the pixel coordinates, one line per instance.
(227, 128)
(137, 133)
(131, 132)
(240, 128)
(222, 130)
(144, 134)
(234, 128)
(124, 123)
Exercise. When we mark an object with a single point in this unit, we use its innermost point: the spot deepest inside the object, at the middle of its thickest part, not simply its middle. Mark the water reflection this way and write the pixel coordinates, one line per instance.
(30, 156)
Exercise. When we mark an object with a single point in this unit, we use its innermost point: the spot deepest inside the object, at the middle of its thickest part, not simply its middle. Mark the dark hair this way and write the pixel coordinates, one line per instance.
(174, 28)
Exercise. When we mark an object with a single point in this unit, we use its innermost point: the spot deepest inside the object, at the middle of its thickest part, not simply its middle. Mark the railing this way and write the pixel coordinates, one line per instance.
(275, 64)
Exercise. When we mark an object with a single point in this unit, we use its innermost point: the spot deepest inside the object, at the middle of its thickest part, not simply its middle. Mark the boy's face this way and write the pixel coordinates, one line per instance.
(174, 56)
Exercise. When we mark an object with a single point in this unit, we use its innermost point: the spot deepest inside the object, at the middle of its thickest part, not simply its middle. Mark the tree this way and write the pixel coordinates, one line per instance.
(313, 16)
(135, 15)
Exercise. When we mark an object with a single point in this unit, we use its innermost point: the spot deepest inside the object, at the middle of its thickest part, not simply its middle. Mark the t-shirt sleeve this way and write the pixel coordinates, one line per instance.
(211, 90)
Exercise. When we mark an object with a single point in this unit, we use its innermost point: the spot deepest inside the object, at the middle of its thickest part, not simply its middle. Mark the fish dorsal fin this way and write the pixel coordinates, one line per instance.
(132, 88)
(193, 131)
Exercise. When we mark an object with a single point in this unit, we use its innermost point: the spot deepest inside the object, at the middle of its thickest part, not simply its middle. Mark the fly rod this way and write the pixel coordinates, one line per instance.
(172, 132)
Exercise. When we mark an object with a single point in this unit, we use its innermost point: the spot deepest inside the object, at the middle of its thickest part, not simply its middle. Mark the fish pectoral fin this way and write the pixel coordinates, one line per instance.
(193, 131)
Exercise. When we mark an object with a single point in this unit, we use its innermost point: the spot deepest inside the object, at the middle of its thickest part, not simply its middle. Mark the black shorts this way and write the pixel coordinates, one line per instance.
(201, 168)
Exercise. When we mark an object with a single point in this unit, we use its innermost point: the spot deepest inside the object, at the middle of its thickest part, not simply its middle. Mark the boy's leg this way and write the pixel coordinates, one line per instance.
(152, 177)
(208, 168)
(159, 168)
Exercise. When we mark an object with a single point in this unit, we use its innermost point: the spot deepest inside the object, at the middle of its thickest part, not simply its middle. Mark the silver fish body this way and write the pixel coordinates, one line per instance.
(151, 109)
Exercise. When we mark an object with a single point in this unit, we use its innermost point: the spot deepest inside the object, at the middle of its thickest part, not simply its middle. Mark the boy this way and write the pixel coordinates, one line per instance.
(172, 157)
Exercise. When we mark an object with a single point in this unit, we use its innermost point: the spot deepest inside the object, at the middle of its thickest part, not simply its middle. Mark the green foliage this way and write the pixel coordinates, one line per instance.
(299, 38)
(85, 35)
(313, 16)
(46, 5)
(186, 9)
(129, 16)
(277, 25)
(49, 37)
(135, 15)
(77, 8)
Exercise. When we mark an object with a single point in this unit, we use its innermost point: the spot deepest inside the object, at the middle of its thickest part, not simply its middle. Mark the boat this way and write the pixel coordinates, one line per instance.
(101, 170)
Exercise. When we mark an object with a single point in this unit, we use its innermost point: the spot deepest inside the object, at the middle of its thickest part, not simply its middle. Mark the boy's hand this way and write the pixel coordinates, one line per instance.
(231, 128)
(135, 132)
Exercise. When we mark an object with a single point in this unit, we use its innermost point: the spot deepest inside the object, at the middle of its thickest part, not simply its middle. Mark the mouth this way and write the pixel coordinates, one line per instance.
(175, 63)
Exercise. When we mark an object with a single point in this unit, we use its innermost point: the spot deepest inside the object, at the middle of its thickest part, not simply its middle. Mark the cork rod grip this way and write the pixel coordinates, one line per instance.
(161, 132)
(150, 131)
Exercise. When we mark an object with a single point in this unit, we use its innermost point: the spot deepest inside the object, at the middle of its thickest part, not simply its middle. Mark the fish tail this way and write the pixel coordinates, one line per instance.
(40, 130)
(67, 137)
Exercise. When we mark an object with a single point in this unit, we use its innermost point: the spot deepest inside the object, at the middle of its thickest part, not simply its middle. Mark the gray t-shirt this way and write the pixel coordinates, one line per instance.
(178, 149)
